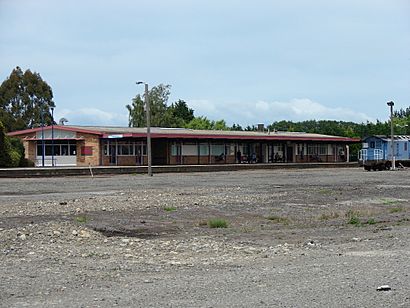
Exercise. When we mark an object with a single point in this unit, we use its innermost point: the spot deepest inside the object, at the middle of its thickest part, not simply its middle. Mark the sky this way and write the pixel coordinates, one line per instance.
(246, 62)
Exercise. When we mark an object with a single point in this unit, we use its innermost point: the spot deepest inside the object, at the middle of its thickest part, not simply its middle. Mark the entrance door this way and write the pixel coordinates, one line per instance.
(289, 154)
(178, 153)
(113, 154)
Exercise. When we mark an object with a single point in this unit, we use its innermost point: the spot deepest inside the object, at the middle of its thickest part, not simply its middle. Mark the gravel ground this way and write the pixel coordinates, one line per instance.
(295, 238)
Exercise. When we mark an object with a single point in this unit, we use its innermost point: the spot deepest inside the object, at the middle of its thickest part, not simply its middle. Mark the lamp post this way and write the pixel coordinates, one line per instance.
(393, 158)
(52, 136)
(148, 112)
(43, 146)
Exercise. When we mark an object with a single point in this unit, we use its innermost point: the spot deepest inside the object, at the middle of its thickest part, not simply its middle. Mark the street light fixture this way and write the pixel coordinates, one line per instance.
(52, 136)
(393, 158)
(147, 106)
(43, 146)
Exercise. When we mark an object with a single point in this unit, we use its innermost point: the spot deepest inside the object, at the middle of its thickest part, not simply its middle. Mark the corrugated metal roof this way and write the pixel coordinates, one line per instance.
(219, 134)
(184, 133)
(388, 138)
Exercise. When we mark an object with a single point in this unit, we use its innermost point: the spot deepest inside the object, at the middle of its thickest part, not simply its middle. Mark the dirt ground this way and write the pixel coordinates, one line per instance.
(294, 238)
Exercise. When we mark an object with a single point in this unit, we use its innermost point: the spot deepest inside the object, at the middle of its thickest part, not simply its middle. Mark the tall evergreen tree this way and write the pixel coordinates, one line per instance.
(25, 100)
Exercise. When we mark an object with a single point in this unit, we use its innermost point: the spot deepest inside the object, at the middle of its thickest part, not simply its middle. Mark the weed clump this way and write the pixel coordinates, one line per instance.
(217, 223)
(170, 209)
(371, 221)
(396, 209)
(353, 218)
(82, 219)
(278, 219)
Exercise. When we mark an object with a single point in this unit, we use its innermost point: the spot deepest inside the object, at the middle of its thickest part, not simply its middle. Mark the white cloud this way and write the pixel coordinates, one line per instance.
(296, 109)
(92, 116)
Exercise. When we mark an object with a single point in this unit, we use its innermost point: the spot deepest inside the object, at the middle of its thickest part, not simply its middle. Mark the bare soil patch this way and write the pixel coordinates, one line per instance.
(294, 238)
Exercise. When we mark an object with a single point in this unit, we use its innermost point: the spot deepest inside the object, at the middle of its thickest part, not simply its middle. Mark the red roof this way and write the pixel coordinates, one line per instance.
(60, 127)
(118, 132)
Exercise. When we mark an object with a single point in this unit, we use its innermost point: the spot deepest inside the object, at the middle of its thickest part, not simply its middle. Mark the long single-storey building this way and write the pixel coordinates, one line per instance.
(63, 145)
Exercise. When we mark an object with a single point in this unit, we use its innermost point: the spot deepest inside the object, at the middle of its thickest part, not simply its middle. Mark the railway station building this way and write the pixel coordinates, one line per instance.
(63, 145)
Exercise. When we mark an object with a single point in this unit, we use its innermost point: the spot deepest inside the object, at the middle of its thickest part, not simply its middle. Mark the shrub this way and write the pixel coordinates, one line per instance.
(371, 221)
(217, 223)
(14, 160)
(26, 163)
(353, 217)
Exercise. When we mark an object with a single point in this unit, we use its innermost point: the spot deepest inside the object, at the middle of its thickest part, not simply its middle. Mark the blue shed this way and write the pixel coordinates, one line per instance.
(378, 148)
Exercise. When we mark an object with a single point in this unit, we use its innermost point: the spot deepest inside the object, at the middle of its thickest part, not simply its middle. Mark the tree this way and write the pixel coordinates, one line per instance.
(220, 125)
(200, 123)
(25, 100)
(158, 98)
(180, 110)
(236, 127)
(9, 156)
(137, 115)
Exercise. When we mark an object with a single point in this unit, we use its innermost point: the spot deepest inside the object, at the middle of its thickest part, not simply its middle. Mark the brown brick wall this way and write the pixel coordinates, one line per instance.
(90, 141)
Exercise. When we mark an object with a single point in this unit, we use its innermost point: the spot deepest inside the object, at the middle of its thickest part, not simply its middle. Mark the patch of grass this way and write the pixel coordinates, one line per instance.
(203, 223)
(396, 209)
(328, 216)
(217, 223)
(353, 218)
(389, 201)
(325, 191)
(170, 208)
(278, 219)
(82, 219)
(371, 221)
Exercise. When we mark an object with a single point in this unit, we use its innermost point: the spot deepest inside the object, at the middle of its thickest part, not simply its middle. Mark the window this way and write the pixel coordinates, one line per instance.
(217, 149)
(174, 149)
(203, 149)
(72, 149)
(300, 149)
(189, 150)
(322, 149)
(405, 146)
(372, 144)
(125, 149)
(57, 148)
(317, 149)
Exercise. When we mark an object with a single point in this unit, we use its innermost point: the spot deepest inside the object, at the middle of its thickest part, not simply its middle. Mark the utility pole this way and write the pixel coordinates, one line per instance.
(393, 158)
(148, 112)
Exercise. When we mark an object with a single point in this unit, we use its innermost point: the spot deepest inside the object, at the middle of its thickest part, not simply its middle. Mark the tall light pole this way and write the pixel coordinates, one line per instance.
(393, 158)
(43, 146)
(52, 136)
(148, 112)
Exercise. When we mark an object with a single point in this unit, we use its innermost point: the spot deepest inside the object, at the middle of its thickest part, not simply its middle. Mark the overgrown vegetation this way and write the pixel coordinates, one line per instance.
(217, 223)
(353, 217)
(278, 219)
(389, 201)
(325, 191)
(371, 221)
(396, 209)
(170, 208)
(82, 219)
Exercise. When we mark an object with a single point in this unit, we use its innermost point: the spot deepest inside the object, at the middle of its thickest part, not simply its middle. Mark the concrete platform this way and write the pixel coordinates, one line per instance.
(105, 170)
